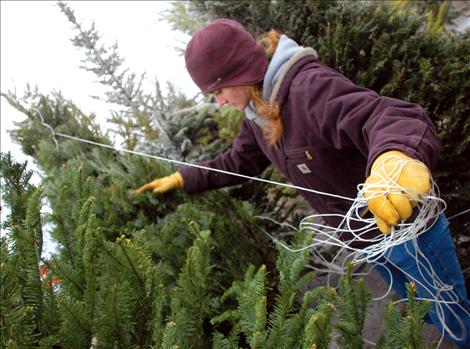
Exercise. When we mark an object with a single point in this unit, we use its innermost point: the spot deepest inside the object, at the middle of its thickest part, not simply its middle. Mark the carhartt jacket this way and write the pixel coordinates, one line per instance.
(333, 131)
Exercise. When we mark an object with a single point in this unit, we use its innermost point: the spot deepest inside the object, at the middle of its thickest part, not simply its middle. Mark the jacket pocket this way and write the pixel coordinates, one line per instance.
(305, 153)
(300, 165)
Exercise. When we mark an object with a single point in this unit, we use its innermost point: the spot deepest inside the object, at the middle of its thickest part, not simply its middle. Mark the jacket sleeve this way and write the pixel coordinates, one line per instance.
(350, 116)
(244, 157)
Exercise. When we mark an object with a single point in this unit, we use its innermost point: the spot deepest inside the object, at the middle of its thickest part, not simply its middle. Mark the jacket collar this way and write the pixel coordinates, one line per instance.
(287, 55)
(283, 86)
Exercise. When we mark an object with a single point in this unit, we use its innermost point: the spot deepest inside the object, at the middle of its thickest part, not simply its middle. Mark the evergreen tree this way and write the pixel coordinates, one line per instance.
(146, 271)
(402, 49)
(402, 331)
(353, 299)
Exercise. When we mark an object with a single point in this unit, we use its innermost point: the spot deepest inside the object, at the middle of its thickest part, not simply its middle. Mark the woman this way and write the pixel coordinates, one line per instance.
(325, 133)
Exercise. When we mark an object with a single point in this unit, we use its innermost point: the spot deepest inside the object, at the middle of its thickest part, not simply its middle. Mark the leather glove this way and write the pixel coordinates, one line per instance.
(164, 184)
(388, 204)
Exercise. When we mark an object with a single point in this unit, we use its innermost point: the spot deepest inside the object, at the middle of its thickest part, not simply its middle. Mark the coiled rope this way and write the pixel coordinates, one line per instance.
(428, 207)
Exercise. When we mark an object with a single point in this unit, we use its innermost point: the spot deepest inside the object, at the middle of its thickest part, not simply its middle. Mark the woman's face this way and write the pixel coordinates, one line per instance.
(235, 96)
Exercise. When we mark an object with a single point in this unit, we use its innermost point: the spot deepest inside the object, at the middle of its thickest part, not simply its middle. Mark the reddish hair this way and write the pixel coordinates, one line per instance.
(268, 110)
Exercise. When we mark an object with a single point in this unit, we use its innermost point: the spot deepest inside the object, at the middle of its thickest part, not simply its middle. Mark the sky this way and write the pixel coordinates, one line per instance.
(36, 49)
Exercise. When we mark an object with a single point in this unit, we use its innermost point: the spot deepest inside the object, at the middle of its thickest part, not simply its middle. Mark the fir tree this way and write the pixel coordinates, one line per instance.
(168, 271)
(400, 49)
(403, 331)
(353, 299)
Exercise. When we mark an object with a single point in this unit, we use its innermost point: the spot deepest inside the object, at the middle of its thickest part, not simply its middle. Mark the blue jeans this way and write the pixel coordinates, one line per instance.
(404, 263)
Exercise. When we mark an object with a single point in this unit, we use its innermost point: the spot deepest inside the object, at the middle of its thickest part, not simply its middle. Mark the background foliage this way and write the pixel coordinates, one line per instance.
(400, 49)
(179, 271)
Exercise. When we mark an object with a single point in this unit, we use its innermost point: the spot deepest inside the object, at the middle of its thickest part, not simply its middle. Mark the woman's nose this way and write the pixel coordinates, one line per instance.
(221, 100)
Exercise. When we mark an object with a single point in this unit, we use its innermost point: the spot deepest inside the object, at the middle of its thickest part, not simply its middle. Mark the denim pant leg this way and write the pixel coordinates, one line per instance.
(434, 267)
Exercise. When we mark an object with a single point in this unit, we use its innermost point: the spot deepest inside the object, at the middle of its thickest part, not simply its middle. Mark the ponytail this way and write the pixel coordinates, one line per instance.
(268, 110)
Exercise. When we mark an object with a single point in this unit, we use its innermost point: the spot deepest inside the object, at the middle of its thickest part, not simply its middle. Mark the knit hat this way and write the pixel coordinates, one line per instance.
(224, 54)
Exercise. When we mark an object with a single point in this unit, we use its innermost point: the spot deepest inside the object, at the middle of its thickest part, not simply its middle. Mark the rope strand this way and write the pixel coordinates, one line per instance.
(429, 207)
(200, 166)
(354, 200)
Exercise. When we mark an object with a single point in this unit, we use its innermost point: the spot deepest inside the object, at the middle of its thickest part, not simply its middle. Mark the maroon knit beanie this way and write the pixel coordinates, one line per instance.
(224, 54)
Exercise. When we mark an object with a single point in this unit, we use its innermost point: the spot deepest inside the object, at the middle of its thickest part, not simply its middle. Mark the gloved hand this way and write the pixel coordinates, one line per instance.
(164, 184)
(388, 204)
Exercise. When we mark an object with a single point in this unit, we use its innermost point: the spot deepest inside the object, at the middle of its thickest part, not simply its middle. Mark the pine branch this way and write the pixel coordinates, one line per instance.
(17, 329)
(414, 318)
(89, 259)
(75, 331)
(122, 241)
(391, 337)
(319, 329)
(290, 266)
(193, 283)
(169, 337)
(353, 298)
(27, 247)
(15, 188)
(65, 273)
(404, 331)
(219, 341)
(62, 233)
(114, 314)
(86, 209)
(106, 63)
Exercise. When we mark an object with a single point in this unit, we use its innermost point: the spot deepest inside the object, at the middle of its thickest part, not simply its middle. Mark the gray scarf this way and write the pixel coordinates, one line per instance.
(287, 53)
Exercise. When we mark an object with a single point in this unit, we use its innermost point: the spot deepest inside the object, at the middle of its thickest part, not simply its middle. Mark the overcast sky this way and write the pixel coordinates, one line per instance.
(36, 49)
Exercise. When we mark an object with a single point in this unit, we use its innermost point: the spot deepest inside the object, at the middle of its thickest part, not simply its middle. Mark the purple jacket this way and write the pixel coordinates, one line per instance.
(333, 131)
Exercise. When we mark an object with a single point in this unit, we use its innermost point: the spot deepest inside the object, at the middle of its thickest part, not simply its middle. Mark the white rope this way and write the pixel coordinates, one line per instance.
(200, 166)
(458, 214)
(428, 209)
(359, 200)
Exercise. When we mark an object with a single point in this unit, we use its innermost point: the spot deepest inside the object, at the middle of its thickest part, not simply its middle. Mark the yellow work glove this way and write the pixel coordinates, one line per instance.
(164, 184)
(389, 204)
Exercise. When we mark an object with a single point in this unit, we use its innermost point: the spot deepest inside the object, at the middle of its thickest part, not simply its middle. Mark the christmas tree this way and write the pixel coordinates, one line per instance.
(168, 271)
